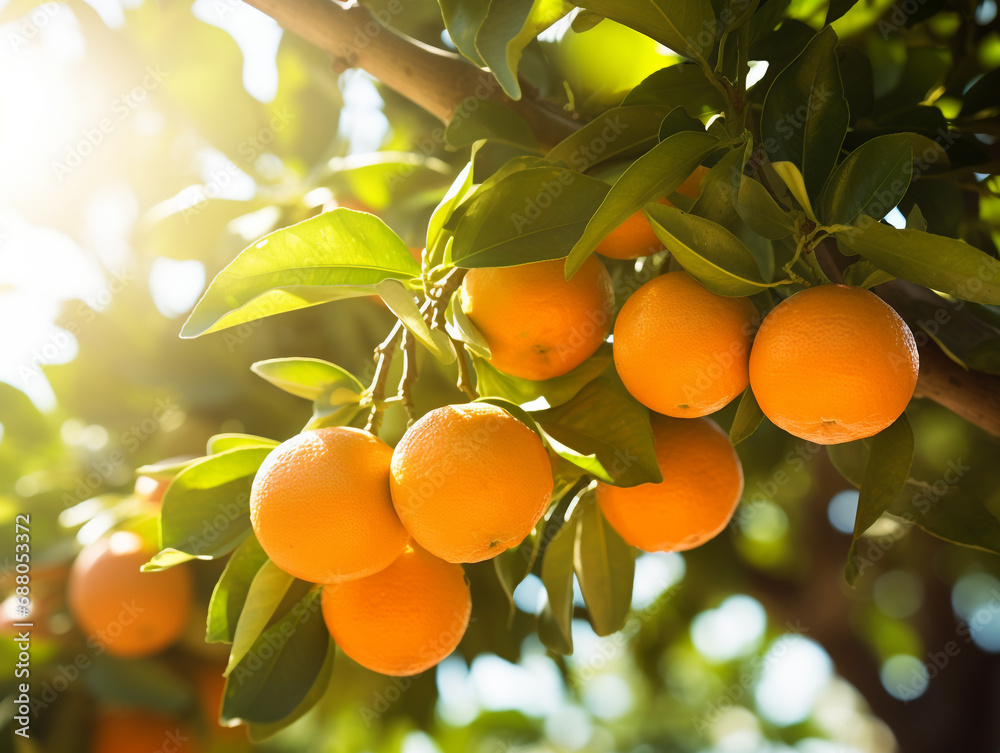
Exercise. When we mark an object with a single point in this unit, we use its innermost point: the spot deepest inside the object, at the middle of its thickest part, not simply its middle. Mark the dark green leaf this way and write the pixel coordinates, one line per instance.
(885, 475)
(747, 419)
(952, 515)
(513, 565)
(531, 215)
(267, 589)
(619, 131)
(805, 114)
(605, 567)
(557, 576)
(871, 181)
(709, 252)
(281, 668)
(654, 175)
(944, 264)
(682, 85)
(491, 121)
(338, 254)
(761, 212)
(462, 19)
(687, 26)
(230, 592)
(603, 420)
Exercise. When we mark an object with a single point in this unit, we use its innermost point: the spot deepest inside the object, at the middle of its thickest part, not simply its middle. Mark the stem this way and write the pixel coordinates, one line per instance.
(409, 378)
(376, 392)
(464, 378)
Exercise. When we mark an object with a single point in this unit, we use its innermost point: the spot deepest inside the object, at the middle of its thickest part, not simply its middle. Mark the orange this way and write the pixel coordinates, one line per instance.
(537, 323)
(320, 506)
(470, 481)
(702, 484)
(832, 364)
(137, 731)
(635, 237)
(403, 620)
(151, 489)
(682, 350)
(122, 610)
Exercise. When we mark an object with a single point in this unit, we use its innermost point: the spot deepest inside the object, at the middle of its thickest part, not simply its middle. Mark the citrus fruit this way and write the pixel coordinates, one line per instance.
(635, 237)
(682, 350)
(833, 363)
(138, 731)
(537, 323)
(404, 619)
(321, 509)
(702, 484)
(125, 611)
(470, 481)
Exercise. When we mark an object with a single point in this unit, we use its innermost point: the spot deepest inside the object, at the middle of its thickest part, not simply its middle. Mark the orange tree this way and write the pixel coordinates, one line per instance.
(796, 168)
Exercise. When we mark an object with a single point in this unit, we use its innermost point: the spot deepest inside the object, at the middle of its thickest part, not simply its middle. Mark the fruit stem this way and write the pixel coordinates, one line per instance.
(376, 392)
(409, 347)
(464, 379)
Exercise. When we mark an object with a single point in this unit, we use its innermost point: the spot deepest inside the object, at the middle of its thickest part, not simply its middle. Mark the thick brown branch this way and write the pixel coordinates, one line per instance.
(444, 84)
(971, 394)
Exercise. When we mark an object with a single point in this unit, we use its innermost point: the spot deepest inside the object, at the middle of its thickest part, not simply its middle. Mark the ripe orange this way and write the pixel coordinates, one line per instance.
(635, 237)
(702, 484)
(832, 364)
(537, 323)
(404, 619)
(682, 350)
(125, 611)
(320, 506)
(136, 731)
(470, 481)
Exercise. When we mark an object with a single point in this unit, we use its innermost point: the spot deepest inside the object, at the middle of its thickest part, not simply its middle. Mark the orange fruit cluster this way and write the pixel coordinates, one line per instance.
(337, 506)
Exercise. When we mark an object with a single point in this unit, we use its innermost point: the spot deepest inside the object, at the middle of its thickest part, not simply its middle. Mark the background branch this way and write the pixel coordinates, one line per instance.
(436, 80)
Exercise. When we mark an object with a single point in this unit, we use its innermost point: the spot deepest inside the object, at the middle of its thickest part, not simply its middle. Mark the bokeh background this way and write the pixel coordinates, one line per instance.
(143, 144)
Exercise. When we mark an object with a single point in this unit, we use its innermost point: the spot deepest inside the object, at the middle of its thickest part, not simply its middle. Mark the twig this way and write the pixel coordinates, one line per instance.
(376, 392)
(464, 378)
(406, 382)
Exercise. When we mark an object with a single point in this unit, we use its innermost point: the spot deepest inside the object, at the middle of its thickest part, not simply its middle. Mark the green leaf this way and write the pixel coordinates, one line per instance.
(711, 254)
(554, 624)
(490, 382)
(222, 442)
(507, 29)
(717, 199)
(654, 175)
(205, 510)
(400, 301)
(945, 264)
(850, 459)
(267, 589)
(805, 114)
(310, 378)
(281, 668)
(230, 592)
(761, 212)
(619, 131)
(681, 85)
(603, 420)
(747, 419)
(871, 181)
(456, 193)
(864, 274)
(492, 121)
(954, 516)
(338, 254)
(605, 567)
(885, 475)
(462, 19)
(513, 565)
(166, 559)
(461, 328)
(686, 27)
(531, 215)
(793, 179)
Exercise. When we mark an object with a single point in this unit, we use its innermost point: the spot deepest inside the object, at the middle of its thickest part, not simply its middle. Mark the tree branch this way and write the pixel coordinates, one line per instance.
(973, 395)
(442, 83)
